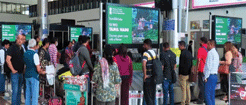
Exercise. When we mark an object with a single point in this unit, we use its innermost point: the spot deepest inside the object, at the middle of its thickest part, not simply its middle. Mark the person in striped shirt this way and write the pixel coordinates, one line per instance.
(53, 51)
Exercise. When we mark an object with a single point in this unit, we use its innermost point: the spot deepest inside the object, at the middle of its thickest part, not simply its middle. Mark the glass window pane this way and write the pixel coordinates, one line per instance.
(9, 8)
(4, 7)
(13, 8)
(26, 9)
(18, 9)
(22, 9)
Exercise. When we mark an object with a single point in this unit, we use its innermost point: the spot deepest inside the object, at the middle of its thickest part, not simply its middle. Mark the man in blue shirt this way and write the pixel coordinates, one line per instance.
(210, 72)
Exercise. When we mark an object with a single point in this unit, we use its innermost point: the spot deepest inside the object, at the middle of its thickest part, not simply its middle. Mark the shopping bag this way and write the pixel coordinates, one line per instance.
(50, 74)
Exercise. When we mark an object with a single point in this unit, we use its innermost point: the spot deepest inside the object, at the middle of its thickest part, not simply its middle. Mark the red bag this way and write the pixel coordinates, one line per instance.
(193, 75)
(55, 101)
(224, 69)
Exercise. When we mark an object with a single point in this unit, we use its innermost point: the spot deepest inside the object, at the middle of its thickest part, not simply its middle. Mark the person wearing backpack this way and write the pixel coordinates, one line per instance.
(6, 45)
(149, 86)
(185, 64)
(168, 60)
(201, 60)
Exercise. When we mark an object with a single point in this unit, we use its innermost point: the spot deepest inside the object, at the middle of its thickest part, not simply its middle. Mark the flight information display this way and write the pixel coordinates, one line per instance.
(131, 25)
(10, 32)
(228, 29)
(75, 32)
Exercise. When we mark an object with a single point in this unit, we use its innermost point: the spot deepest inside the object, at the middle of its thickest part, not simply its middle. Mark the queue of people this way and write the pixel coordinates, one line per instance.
(27, 66)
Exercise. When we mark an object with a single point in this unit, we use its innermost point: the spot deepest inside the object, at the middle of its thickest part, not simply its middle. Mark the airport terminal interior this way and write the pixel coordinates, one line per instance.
(67, 48)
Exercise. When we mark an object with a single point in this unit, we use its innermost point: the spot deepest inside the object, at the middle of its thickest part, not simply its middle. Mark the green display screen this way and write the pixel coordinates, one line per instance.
(228, 29)
(75, 32)
(131, 25)
(10, 32)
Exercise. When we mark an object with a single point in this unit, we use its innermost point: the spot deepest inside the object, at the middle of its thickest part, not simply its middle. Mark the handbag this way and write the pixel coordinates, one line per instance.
(193, 75)
(224, 69)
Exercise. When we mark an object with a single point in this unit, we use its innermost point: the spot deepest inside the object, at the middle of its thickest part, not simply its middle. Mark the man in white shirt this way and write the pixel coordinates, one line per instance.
(3, 51)
(210, 72)
(32, 72)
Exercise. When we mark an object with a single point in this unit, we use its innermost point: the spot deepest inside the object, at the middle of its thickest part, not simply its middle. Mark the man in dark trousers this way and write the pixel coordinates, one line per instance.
(16, 64)
(185, 64)
(149, 87)
(201, 60)
(168, 59)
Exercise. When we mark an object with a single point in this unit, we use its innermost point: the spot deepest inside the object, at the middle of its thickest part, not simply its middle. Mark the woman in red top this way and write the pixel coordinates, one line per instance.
(124, 63)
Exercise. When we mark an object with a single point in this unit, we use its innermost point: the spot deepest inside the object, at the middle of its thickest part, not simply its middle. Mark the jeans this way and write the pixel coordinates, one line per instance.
(32, 91)
(24, 85)
(16, 80)
(167, 86)
(2, 83)
(210, 86)
(149, 88)
(201, 86)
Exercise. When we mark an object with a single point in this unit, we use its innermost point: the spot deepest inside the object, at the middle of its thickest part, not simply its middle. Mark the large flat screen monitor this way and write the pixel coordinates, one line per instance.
(131, 25)
(10, 31)
(227, 29)
(75, 32)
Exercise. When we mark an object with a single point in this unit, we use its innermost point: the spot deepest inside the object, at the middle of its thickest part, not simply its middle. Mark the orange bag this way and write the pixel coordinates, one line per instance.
(224, 69)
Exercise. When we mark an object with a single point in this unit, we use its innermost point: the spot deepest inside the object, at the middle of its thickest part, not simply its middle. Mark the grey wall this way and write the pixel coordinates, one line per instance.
(5, 17)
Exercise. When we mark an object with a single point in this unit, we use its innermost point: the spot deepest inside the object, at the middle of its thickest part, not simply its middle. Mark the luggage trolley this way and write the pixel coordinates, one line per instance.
(76, 90)
(237, 88)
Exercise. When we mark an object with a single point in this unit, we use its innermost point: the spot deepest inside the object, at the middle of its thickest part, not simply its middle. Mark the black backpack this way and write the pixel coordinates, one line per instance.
(157, 69)
(62, 59)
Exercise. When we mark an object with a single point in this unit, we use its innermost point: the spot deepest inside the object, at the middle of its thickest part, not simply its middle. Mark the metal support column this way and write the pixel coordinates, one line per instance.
(101, 30)
(175, 16)
(43, 18)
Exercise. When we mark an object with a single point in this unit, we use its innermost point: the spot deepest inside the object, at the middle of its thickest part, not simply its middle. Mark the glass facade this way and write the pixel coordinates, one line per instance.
(66, 6)
(14, 8)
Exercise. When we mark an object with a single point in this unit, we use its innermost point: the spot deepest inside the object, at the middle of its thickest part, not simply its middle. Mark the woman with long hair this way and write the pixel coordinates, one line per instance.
(228, 60)
(106, 76)
(124, 63)
(237, 63)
